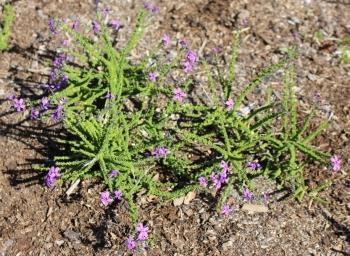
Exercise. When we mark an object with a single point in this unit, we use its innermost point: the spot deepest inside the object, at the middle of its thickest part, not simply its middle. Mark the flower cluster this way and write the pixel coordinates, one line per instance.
(105, 197)
(142, 236)
(253, 166)
(150, 7)
(160, 152)
(52, 176)
(190, 61)
(335, 163)
(221, 178)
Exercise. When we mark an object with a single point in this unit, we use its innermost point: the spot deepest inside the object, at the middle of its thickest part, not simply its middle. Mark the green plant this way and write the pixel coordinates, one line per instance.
(124, 115)
(8, 15)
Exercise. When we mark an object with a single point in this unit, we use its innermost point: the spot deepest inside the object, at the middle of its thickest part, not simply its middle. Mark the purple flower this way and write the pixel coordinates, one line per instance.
(216, 180)
(229, 104)
(226, 210)
(159, 152)
(52, 176)
(179, 95)
(166, 40)
(66, 42)
(118, 195)
(105, 11)
(335, 163)
(95, 27)
(265, 196)
(75, 25)
(223, 177)
(253, 166)
(115, 24)
(44, 103)
(109, 96)
(247, 195)
(52, 26)
(131, 244)
(191, 57)
(62, 83)
(150, 7)
(143, 232)
(34, 114)
(202, 181)
(105, 198)
(183, 43)
(19, 105)
(152, 76)
(57, 114)
(113, 173)
(10, 97)
(187, 66)
(224, 166)
(60, 60)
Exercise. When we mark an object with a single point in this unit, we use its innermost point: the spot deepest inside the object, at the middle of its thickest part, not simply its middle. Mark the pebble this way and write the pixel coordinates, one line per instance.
(72, 235)
(227, 245)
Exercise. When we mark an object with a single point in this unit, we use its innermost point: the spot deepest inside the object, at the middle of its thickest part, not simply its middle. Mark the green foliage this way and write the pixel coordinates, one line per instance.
(7, 19)
(121, 131)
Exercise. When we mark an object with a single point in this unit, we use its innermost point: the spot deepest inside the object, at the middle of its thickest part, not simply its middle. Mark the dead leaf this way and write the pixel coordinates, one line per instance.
(189, 197)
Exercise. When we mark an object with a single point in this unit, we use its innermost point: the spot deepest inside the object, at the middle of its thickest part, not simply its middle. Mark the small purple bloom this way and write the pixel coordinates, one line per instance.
(105, 11)
(224, 166)
(95, 27)
(229, 104)
(191, 57)
(223, 177)
(57, 114)
(265, 196)
(60, 60)
(247, 195)
(115, 24)
(10, 97)
(113, 173)
(150, 7)
(179, 95)
(19, 105)
(118, 195)
(202, 181)
(34, 114)
(66, 42)
(52, 26)
(152, 76)
(143, 232)
(166, 40)
(131, 244)
(52, 176)
(335, 163)
(160, 152)
(75, 25)
(183, 43)
(187, 66)
(105, 198)
(253, 166)
(62, 83)
(226, 210)
(216, 180)
(44, 103)
(109, 96)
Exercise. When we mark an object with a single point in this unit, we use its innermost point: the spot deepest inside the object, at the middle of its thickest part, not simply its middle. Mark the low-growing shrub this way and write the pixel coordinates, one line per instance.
(136, 126)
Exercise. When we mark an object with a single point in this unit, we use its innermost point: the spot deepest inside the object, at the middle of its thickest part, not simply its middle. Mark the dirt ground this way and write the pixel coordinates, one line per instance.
(35, 220)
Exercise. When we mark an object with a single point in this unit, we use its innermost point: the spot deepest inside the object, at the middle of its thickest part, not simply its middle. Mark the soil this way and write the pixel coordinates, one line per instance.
(35, 220)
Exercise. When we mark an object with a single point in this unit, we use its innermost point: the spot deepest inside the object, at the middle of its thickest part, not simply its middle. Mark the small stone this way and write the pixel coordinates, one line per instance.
(59, 242)
(72, 235)
(227, 245)
(189, 197)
